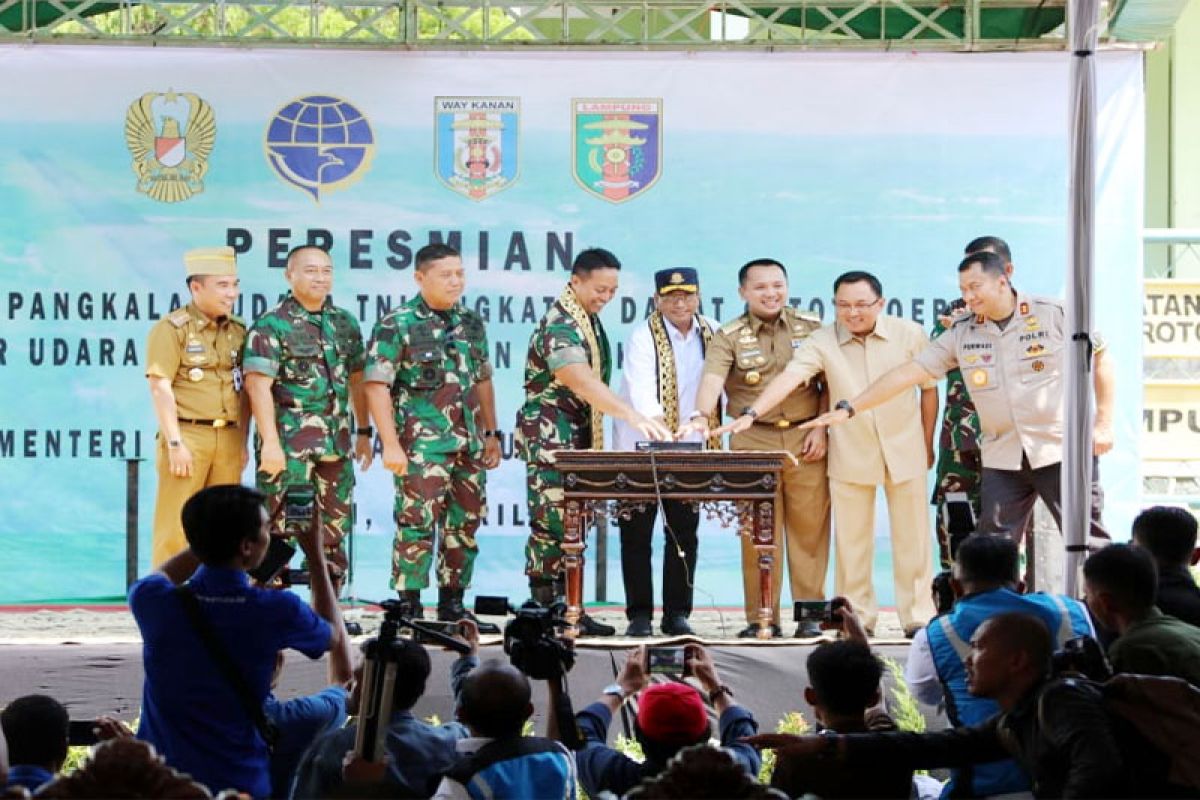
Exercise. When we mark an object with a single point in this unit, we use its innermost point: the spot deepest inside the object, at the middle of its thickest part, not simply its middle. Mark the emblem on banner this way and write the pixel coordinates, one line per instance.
(170, 136)
(476, 144)
(319, 144)
(616, 146)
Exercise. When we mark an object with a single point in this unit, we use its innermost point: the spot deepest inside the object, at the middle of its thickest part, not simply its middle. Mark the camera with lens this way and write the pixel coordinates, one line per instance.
(1083, 656)
(533, 637)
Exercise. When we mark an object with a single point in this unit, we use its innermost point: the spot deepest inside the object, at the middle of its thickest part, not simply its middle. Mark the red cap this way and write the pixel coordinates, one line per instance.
(672, 713)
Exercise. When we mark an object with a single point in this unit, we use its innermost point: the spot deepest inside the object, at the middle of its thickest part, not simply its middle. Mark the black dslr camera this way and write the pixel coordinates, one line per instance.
(1082, 656)
(533, 637)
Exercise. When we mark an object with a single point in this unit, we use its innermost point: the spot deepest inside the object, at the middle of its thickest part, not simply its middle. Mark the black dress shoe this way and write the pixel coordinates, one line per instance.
(590, 627)
(751, 632)
(677, 625)
(639, 627)
(807, 630)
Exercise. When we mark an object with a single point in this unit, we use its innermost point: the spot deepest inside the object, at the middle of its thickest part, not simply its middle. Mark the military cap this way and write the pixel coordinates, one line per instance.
(681, 279)
(210, 261)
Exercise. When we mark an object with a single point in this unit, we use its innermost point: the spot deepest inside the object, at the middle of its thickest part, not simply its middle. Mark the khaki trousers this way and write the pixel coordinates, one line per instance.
(801, 524)
(912, 553)
(216, 459)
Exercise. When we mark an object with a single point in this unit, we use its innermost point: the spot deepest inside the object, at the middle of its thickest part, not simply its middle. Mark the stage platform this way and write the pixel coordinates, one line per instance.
(91, 661)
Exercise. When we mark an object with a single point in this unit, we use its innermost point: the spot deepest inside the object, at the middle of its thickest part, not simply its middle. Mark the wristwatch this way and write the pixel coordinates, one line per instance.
(367, 431)
(697, 413)
(844, 405)
(173, 443)
(749, 412)
(616, 691)
(496, 434)
(717, 692)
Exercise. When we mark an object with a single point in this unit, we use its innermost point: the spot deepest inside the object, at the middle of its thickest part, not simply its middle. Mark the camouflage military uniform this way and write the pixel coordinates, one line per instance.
(959, 464)
(433, 362)
(553, 418)
(310, 357)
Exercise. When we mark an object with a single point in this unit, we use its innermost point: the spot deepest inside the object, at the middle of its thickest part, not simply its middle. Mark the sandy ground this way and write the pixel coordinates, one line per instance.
(49, 626)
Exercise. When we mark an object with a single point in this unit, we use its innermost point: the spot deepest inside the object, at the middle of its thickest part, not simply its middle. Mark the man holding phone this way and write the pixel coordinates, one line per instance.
(304, 367)
(670, 717)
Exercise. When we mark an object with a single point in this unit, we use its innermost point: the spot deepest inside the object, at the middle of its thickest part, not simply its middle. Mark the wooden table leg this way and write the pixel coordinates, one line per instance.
(764, 545)
(573, 546)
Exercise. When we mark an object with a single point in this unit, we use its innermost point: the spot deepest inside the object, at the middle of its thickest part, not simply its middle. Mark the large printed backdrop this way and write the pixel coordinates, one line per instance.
(115, 161)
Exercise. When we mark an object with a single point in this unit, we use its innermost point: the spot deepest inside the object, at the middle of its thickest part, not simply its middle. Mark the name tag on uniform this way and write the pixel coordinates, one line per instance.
(193, 346)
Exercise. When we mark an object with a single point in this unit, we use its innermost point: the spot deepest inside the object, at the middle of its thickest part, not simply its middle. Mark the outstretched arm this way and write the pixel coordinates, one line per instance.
(889, 385)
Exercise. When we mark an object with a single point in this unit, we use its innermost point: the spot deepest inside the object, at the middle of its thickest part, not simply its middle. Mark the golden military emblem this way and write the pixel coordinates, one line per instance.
(170, 137)
(676, 278)
(979, 377)
(753, 377)
(195, 374)
(1039, 365)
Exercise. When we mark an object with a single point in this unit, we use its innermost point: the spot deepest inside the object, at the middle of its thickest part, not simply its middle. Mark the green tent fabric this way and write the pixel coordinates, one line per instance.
(12, 17)
(896, 23)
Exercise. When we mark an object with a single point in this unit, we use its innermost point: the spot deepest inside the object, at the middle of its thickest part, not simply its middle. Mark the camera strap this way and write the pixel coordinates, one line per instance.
(227, 667)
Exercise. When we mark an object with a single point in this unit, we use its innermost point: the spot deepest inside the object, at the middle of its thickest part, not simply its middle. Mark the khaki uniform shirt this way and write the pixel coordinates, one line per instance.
(887, 443)
(1014, 376)
(748, 352)
(199, 356)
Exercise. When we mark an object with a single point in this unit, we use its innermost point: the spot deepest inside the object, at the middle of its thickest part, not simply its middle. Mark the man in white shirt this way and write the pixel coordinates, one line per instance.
(664, 359)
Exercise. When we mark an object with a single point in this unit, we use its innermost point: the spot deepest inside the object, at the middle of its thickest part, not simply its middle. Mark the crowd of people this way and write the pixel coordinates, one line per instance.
(1045, 696)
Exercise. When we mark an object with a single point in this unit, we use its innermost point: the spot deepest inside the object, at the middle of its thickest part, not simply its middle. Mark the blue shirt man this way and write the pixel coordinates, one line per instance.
(986, 584)
(190, 712)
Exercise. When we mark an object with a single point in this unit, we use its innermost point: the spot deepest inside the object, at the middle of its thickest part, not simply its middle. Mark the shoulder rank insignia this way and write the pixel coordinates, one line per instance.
(179, 317)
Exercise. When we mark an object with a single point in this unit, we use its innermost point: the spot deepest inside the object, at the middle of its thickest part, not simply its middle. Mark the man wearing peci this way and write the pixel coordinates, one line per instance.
(664, 359)
(193, 364)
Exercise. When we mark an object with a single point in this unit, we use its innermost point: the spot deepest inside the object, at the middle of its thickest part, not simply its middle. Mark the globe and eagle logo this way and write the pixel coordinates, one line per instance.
(319, 144)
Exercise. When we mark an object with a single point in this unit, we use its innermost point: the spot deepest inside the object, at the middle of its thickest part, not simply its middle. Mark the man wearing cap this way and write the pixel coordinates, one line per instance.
(193, 364)
(664, 359)
(1011, 351)
(744, 356)
(567, 369)
(304, 365)
(670, 717)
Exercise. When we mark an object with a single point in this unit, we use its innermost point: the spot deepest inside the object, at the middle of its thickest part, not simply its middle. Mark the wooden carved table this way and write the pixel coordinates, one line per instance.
(740, 486)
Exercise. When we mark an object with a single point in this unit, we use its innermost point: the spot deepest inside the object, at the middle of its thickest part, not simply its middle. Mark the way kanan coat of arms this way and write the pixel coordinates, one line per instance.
(170, 136)
(476, 152)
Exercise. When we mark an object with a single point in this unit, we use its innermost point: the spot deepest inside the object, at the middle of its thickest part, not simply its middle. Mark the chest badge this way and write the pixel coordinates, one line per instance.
(753, 377)
(1039, 365)
(195, 374)
(979, 377)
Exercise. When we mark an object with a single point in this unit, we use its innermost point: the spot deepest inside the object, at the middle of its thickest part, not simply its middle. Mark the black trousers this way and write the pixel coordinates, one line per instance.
(636, 533)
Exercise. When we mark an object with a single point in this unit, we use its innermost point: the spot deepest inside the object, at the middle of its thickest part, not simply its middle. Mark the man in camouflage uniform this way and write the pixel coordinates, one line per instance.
(304, 369)
(567, 369)
(192, 363)
(429, 388)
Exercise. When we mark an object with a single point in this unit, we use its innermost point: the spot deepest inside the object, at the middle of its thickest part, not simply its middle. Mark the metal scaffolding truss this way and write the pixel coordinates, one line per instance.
(438, 24)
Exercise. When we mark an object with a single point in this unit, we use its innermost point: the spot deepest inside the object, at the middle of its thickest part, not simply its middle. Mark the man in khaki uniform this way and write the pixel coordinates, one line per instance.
(742, 359)
(890, 447)
(1011, 354)
(193, 358)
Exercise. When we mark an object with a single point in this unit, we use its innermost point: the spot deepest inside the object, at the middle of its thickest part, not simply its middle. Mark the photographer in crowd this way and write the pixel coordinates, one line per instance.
(210, 640)
(846, 696)
(497, 761)
(1057, 729)
(36, 728)
(985, 583)
(670, 717)
(1169, 534)
(1120, 582)
(418, 754)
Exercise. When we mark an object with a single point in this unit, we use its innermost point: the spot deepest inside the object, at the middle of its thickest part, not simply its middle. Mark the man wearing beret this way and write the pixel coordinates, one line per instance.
(664, 359)
(193, 364)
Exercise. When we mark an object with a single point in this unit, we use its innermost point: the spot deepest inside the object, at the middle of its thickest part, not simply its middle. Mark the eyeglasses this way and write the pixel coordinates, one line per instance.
(678, 298)
(859, 307)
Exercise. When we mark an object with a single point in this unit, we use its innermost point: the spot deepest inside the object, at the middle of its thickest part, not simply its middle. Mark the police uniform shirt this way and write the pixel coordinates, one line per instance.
(748, 352)
(198, 355)
(887, 443)
(1014, 375)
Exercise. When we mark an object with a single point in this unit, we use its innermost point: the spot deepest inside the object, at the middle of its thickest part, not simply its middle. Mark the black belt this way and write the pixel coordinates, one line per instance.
(211, 423)
(783, 424)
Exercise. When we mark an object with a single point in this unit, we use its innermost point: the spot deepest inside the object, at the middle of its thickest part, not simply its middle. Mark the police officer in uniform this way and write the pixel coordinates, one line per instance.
(304, 364)
(193, 364)
(429, 389)
(1011, 351)
(742, 359)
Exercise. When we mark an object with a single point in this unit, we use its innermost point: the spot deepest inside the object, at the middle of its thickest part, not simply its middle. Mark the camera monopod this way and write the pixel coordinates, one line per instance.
(380, 665)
